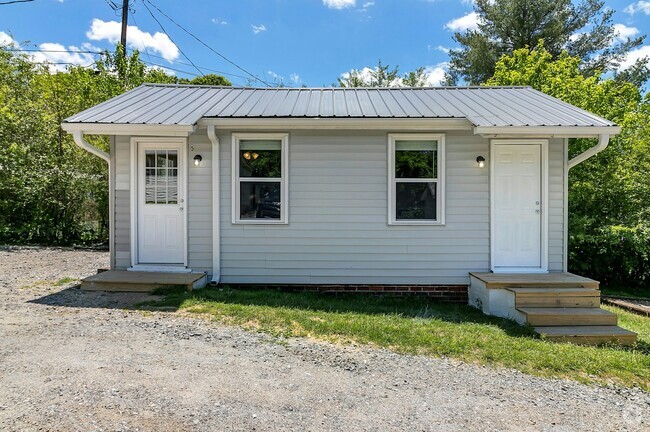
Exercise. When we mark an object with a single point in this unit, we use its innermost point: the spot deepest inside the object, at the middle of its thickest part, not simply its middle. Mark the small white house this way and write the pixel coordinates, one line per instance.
(375, 187)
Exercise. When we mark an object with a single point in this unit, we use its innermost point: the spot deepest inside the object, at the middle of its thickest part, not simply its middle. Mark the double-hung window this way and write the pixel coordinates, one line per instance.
(416, 179)
(260, 175)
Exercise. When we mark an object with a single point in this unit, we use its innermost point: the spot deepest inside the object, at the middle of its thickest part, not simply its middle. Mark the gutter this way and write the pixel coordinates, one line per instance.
(216, 217)
(81, 142)
(603, 141)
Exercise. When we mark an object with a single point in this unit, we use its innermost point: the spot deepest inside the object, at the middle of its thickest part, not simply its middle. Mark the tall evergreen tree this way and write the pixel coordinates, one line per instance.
(584, 30)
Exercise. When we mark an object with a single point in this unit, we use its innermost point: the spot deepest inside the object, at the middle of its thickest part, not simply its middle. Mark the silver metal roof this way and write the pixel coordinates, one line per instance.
(158, 104)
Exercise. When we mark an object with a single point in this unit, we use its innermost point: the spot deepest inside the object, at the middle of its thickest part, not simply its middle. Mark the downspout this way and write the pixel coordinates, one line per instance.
(216, 216)
(81, 142)
(603, 141)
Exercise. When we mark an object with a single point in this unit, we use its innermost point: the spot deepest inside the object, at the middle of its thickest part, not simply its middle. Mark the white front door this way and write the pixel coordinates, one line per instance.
(517, 207)
(161, 222)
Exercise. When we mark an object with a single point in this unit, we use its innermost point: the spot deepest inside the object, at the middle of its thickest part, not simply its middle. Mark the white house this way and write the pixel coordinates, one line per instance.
(349, 188)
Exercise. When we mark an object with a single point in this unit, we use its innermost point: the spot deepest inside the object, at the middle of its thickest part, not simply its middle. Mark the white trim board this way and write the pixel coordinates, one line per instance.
(544, 206)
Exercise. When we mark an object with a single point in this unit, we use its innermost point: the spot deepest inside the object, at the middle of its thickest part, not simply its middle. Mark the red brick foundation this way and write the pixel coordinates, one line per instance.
(443, 293)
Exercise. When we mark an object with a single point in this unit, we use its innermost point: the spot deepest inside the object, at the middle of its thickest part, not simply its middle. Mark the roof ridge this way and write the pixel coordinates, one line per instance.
(336, 88)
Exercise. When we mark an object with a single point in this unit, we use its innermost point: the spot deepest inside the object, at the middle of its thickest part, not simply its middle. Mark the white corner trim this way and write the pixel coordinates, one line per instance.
(216, 207)
(284, 180)
(603, 141)
(440, 179)
(565, 200)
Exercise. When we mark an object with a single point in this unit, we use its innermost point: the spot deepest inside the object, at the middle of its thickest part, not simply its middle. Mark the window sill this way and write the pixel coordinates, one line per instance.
(416, 223)
(259, 222)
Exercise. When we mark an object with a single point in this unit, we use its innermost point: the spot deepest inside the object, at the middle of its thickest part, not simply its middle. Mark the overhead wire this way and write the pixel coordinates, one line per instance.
(170, 38)
(255, 77)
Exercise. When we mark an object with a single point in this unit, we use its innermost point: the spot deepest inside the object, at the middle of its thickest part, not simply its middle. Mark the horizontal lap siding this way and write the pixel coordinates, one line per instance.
(122, 202)
(199, 216)
(337, 230)
(555, 206)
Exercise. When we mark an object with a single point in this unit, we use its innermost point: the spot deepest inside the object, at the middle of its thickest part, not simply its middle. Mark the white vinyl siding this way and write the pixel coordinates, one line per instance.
(122, 222)
(555, 205)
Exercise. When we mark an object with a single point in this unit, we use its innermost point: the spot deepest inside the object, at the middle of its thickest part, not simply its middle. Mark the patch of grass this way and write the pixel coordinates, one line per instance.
(624, 292)
(64, 281)
(420, 326)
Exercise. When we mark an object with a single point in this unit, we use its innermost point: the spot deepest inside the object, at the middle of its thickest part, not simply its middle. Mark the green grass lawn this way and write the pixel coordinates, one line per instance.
(419, 326)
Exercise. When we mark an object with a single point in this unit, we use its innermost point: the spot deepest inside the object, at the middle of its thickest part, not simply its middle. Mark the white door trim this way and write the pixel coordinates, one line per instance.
(544, 206)
(133, 174)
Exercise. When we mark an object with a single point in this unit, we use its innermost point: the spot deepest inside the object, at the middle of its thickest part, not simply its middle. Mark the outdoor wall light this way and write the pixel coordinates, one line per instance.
(480, 161)
(197, 160)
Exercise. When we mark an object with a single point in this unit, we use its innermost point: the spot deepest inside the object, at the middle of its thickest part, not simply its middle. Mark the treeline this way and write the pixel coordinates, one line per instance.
(51, 191)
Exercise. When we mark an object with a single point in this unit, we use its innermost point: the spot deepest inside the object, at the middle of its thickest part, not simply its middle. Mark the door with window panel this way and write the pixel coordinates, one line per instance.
(161, 238)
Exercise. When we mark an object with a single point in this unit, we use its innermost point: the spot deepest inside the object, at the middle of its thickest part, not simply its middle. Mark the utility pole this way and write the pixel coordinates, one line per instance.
(125, 17)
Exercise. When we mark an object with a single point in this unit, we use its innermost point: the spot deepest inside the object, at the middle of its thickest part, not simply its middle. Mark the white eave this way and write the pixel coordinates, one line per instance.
(284, 123)
(129, 129)
(546, 131)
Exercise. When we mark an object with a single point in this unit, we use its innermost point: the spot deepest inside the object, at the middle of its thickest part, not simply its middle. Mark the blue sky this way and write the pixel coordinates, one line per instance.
(298, 42)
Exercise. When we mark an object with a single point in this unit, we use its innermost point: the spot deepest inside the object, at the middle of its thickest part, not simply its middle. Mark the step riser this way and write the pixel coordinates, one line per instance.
(129, 287)
(576, 320)
(594, 340)
(559, 301)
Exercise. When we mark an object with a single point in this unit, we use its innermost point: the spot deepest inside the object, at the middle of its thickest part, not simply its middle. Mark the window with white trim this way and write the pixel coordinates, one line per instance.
(416, 179)
(260, 187)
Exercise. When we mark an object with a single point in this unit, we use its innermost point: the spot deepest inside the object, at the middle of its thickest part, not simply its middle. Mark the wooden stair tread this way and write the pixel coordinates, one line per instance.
(564, 311)
(572, 292)
(534, 280)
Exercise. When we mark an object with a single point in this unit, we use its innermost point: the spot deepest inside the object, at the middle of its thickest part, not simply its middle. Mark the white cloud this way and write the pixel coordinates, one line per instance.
(366, 5)
(634, 55)
(258, 29)
(295, 78)
(339, 4)
(640, 6)
(57, 53)
(5, 39)
(435, 75)
(137, 39)
(624, 32)
(218, 21)
(443, 49)
(466, 22)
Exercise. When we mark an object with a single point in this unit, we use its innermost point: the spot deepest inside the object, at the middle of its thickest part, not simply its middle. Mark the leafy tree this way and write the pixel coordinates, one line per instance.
(210, 79)
(609, 194)
(383, 76)
(585, 30)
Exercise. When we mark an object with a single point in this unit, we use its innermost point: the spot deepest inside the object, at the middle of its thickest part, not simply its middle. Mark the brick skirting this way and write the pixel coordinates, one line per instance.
(443, 293)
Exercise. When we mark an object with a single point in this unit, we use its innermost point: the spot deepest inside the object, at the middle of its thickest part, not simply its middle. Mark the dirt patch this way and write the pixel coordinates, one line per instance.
(74, 360)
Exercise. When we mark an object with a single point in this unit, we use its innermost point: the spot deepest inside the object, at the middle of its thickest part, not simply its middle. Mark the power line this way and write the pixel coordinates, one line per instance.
(143, 44)
(170, 38)
(14, 1)
(203, 43)
(148, 55)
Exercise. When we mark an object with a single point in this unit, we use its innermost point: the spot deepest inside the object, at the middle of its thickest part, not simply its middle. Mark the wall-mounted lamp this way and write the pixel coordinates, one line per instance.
(480, 161)
(197, 160)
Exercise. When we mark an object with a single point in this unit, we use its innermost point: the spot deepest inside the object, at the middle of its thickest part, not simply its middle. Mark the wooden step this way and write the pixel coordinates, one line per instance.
(588, 335)
(568, 317)
(135, 281)
(556, 297)
(528, 280)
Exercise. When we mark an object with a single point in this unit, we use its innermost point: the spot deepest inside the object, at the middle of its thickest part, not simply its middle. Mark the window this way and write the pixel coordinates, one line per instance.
(161, 177)
(416, 173)
(260, 188)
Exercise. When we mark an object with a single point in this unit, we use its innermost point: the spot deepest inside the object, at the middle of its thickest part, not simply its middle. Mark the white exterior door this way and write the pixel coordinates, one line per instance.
(517, 179)
(161, 220)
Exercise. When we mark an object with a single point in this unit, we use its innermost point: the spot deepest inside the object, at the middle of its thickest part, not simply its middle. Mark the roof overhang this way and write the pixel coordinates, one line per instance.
(546, 131)
(129, 129)
(356, 123)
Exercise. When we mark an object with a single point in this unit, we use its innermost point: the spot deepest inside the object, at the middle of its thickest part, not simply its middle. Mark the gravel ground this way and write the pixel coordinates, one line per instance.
(73, 360)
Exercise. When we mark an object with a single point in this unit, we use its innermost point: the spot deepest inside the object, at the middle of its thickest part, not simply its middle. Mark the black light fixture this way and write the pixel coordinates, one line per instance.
(197, 160)
(480, 161)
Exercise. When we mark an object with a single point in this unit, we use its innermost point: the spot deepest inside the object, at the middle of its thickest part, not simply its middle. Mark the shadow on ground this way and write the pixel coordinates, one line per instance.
(76, 297)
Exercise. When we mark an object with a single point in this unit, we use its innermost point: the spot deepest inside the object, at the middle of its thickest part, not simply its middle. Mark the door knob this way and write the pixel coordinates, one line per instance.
(537, 202)
(538, 211)
(181, 208)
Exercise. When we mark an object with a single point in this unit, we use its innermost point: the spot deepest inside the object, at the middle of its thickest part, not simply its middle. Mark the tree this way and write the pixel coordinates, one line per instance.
(609, 194)
(210, 79)
(383, 76)
(584, 30)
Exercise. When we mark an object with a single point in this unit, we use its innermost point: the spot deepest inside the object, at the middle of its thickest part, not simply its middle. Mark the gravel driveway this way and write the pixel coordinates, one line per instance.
(73, 360)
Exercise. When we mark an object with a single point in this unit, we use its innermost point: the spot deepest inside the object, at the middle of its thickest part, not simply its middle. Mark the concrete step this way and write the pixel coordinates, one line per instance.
(556, 297)
(588, 335)
(568, 316)
(135, 281)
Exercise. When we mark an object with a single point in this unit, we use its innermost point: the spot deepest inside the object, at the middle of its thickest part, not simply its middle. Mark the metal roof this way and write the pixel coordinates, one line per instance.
(185, 105)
